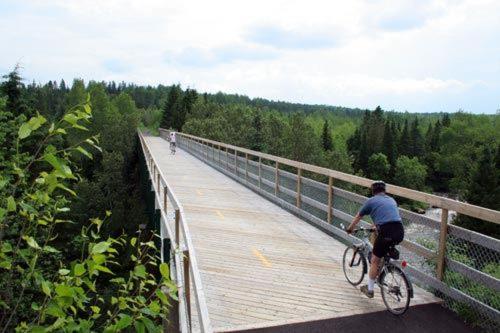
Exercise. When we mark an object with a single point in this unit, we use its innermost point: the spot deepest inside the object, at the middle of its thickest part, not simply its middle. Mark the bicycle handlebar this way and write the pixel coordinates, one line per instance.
(370, 229)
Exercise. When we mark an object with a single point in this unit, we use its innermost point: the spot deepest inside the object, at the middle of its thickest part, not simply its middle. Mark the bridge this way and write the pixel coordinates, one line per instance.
(254, 245)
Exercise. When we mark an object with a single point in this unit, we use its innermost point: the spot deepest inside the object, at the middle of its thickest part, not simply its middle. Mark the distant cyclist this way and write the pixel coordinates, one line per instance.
(384, 212)
(172, 142)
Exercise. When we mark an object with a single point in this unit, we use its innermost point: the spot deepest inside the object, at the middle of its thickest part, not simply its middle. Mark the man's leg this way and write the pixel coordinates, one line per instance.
(372, 276)
(373, 272)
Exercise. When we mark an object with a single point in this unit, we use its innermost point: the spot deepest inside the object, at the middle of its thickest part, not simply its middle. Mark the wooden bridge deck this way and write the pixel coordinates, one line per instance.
(260, 265)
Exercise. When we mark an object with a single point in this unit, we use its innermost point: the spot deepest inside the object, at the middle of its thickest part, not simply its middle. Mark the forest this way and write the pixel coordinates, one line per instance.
(70, 196)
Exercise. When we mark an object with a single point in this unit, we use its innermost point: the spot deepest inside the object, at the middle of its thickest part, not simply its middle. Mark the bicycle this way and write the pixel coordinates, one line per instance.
(393, 282)
(172, 148)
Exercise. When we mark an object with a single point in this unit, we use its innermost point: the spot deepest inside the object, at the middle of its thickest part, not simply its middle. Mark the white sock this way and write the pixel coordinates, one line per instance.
(371, 283)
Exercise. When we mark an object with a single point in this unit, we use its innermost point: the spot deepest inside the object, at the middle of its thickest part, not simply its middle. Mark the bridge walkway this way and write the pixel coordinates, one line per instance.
(260, 265)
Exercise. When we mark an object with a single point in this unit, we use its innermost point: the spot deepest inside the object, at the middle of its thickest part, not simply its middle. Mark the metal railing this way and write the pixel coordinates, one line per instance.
(459, 265)
(186, 266)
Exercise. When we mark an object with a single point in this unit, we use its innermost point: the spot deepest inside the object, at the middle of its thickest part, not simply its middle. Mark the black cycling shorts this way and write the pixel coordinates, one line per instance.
(389, 234)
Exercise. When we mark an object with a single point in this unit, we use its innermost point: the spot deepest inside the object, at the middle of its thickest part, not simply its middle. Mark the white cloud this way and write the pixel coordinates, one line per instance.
(415, 55)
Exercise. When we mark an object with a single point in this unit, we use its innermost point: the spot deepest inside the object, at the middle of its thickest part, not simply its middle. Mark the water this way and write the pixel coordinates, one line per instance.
(435, 214)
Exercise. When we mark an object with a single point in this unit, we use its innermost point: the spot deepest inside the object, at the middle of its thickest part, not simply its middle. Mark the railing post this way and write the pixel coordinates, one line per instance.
(218, 153)
(165, 197)
(277, 179)
(158, 181)
(177, 228)
(260, 172)
(299, 185)
(187, 286)
(236, 162)
(330, 199)
(442, 244)
(246, 167)
(227, 160)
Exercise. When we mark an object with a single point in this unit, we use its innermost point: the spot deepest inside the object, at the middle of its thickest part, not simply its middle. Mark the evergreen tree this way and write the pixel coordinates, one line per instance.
(171, 107)
(428, 136)
(446, 120)
(326, 137)
(435, 139)
(484, 190)
(257, 140)
(182, 109)
(390, 146)
(12, 88)
(417, 140)
(62, 86)
(303, 144)
(405, 144)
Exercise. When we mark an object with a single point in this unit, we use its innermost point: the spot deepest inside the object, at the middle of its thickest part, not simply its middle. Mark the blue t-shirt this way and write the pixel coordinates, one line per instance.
(382, 209)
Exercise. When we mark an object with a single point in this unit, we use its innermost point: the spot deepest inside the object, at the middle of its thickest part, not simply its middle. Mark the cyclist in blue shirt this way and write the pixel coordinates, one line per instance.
(384, 213)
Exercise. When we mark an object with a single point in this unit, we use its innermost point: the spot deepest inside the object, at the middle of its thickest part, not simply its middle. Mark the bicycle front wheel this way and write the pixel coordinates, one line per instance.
(395, 289)
(354, 265)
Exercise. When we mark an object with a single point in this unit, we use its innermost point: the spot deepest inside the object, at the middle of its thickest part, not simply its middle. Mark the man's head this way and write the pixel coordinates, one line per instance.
(378, 187)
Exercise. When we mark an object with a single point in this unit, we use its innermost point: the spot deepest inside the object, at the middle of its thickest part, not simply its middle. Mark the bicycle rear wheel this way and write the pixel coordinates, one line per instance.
(395, 289)
(354, 265)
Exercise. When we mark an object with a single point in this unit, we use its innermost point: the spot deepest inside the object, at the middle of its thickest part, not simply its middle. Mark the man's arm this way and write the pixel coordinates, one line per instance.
(365, 210)
(355, 221)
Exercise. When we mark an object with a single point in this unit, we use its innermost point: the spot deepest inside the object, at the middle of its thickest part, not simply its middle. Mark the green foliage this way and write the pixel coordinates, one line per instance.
(178, 105)
(454, 279)
(484, 190)
(41, 289)
(326, 137)
(410, 173)
(151, 119)
(378, 167)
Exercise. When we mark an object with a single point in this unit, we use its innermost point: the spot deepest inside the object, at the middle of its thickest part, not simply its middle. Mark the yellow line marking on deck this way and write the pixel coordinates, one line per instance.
(220, 214)
(263, 259)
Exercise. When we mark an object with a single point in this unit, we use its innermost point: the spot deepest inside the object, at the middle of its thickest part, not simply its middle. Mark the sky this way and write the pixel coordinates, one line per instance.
(415, 55)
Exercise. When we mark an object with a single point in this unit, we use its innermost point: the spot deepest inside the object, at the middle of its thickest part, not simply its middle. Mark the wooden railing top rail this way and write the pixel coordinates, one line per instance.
(193, 264)
(434, 200)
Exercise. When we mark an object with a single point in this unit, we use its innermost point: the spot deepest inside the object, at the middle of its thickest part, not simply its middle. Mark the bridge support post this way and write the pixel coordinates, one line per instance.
(442, 244)
(330, 199)
(187, 287)
(299, 185)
